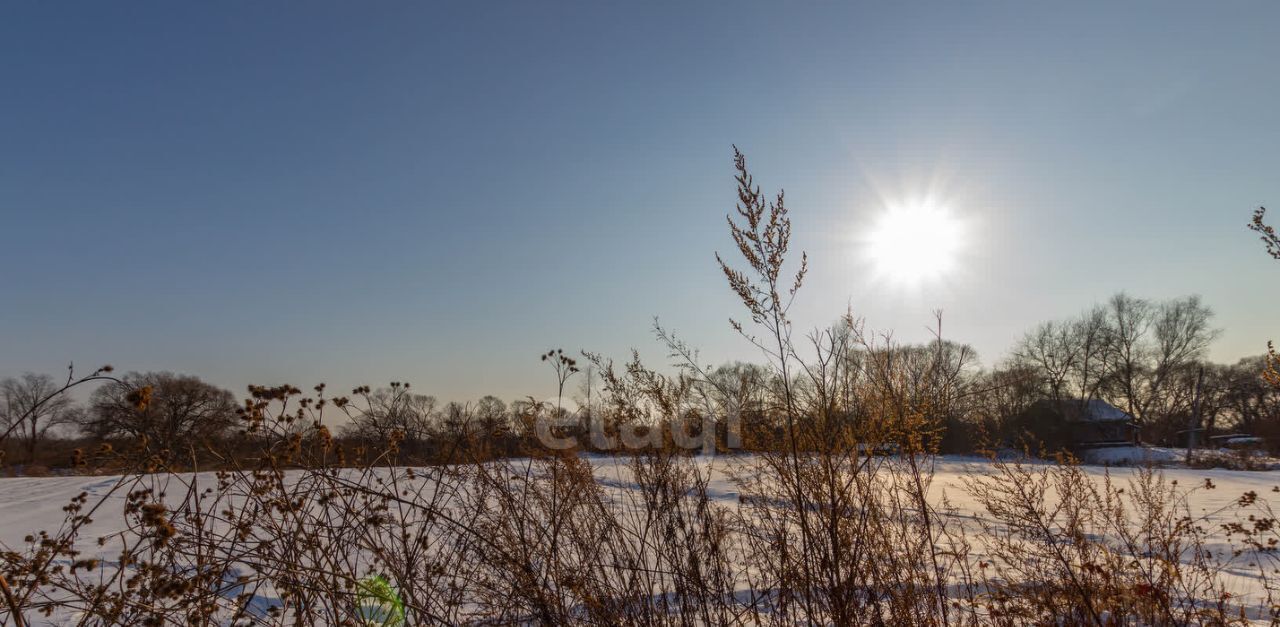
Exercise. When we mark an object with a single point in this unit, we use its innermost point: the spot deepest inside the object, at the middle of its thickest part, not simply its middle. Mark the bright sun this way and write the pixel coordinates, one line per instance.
(916, 242)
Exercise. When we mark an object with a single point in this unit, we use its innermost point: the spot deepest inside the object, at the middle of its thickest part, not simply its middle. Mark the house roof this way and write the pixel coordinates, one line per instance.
(1090, 410)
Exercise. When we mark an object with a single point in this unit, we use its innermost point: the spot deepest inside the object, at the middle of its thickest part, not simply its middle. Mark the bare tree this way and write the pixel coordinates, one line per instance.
(1251, 403)
(1053, 352)
(31, 405)
(1091, 334)
(1069, 356)
(740, 389)
(1132, 352)
(1150, 345)
(1129, 322)
(1006, 392)
(392, 410)
(458, 419)
(491, 416)
(165, 408)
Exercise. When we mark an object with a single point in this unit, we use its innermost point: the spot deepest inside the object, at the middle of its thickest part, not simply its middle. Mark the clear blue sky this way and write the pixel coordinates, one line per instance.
(364, 192)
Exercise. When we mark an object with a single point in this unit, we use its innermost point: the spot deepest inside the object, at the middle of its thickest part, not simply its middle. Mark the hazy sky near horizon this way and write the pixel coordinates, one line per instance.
(436, 192)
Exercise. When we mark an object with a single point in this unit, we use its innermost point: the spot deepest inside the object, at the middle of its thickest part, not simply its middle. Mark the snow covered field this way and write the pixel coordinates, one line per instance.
(28, 505)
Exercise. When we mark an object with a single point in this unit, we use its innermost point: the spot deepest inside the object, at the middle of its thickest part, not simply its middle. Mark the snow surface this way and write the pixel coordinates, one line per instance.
(1134, 455)
(1163, 456)
(28, 505)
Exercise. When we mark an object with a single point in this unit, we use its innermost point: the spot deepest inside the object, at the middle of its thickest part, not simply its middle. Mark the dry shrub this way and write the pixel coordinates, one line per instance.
(1240, 459)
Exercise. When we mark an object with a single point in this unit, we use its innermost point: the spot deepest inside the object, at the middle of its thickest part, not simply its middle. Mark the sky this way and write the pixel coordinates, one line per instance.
(271, 192)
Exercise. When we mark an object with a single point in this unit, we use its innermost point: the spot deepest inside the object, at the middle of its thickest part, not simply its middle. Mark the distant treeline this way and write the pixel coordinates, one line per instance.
(1145, 358)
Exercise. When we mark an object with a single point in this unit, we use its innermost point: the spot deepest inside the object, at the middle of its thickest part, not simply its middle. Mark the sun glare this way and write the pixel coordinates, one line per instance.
(914, 243)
